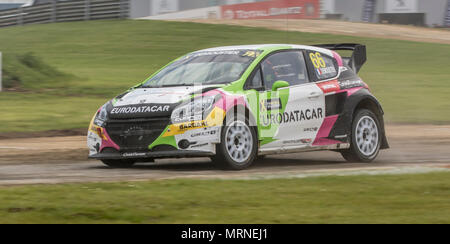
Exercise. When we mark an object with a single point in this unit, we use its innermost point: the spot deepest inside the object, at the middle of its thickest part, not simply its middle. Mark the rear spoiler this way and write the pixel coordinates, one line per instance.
(359, 55)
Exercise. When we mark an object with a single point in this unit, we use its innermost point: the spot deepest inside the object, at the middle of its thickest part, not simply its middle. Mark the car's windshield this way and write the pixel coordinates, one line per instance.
(208, 67)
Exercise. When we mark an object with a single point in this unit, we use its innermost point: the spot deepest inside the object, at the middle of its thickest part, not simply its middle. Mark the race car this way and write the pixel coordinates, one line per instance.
(238, 103)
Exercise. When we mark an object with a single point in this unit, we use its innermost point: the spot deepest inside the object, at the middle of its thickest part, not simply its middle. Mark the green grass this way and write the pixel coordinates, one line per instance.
(28, 112)
(421, 198)
(28, 71)
(107, 57)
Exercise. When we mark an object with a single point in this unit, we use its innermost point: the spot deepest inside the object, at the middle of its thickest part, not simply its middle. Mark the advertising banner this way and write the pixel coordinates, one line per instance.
(401, 6)
(276, 9)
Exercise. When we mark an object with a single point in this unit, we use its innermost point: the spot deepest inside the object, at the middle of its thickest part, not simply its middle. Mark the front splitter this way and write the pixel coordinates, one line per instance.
(144, 155)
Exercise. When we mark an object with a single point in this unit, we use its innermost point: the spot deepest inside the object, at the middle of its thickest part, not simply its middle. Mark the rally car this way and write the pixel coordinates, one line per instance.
(235, 104)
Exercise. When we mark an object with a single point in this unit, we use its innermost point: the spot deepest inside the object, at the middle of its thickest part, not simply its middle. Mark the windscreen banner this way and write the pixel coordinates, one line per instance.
(276, 9)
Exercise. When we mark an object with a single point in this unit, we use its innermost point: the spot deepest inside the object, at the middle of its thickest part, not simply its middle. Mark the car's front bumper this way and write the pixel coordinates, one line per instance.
(150, 155)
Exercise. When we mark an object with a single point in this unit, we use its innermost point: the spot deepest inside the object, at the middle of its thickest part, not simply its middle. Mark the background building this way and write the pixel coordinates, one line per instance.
(418, 12)
(9, 4)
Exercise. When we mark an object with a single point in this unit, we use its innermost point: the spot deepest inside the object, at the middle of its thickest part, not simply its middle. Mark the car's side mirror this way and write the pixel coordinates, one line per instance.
(279, 84)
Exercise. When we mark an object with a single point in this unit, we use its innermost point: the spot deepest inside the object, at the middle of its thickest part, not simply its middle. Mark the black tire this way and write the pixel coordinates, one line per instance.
(121, 164)
(223, 159)
(356, 153)
(261, 157)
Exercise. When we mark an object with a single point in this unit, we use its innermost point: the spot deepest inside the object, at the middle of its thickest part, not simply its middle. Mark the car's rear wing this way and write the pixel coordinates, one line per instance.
(359, 55)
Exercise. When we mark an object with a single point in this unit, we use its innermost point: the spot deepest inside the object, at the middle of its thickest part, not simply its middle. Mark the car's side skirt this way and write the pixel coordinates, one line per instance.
(298, 149)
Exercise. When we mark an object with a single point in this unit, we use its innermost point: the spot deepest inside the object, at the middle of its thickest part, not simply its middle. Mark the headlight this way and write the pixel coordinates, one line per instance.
(198, 109)
(101, 116)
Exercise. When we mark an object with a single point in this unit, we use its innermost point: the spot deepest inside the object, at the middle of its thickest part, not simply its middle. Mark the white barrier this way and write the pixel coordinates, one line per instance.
(201, 13)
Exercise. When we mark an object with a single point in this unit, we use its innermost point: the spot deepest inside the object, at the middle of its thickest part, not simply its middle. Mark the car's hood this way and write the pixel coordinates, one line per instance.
(151, 102)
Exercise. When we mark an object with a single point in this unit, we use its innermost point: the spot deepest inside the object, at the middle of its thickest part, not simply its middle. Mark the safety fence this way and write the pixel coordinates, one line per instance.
(63, 11)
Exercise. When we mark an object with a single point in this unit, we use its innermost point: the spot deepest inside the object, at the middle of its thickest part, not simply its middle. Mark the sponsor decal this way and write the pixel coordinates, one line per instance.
(194, 124)
(312, 129)
(299, 141)
(347, 84)
(252, 54)
(330, 86)
(199, 145)
(292, 116)
(140, 109)
(270, 104)
(293, 9)
(326, 71)
(204, 133)
(240, 53)
(214, 53)
(134, 154)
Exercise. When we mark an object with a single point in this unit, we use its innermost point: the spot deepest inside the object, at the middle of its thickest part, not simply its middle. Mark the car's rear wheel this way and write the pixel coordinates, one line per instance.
(119, 163)
(365, 138)
(238, 148)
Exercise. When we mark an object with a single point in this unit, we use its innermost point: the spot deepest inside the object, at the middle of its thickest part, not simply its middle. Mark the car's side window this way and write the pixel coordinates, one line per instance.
(324, 66)
(285, 66)
(256, 81)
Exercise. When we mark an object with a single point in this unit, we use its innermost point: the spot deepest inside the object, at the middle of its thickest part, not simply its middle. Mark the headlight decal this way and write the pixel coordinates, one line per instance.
(194, 110)
(101, 116)
(215, 118)
(218, 103)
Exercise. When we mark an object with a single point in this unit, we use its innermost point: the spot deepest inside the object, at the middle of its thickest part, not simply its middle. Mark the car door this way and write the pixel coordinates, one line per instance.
(324, 70)
(289, 117)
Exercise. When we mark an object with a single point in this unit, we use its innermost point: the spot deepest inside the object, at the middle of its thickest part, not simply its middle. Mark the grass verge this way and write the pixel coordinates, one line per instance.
(26, 71)
(421, 198)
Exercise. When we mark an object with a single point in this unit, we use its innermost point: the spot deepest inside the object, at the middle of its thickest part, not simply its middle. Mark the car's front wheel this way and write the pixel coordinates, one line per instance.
(238, 148)
(119, 163)
(365, 138)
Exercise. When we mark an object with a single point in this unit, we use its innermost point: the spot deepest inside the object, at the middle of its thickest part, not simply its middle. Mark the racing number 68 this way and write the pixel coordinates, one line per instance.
(317, 60)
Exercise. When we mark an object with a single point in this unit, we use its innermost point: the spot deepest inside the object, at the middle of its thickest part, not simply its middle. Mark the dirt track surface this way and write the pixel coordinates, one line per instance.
(400, 32)
(63, 160)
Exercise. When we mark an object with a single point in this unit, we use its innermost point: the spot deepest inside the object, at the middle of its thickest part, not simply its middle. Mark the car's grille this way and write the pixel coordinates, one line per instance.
(136, 135)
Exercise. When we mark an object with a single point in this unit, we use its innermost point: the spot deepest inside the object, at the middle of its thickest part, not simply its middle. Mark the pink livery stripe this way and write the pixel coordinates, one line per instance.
(324, 132)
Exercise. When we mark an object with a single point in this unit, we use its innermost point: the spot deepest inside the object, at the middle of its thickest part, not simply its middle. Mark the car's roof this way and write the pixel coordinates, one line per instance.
(265, 47)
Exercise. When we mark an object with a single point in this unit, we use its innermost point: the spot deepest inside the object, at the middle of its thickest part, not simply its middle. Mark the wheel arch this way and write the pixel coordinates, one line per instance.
(241, 110)
(362, 99)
